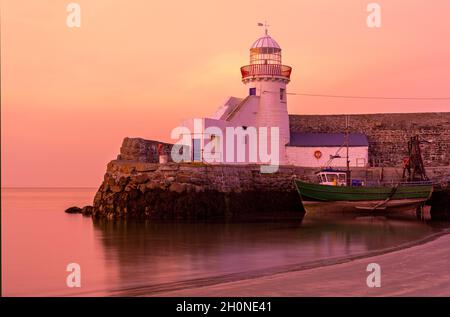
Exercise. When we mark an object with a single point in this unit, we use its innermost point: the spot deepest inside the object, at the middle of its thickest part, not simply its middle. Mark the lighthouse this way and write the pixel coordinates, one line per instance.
(265, 106)
(266, 77)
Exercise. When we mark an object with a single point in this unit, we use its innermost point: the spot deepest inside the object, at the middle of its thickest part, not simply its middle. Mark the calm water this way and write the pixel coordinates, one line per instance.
(39, 240)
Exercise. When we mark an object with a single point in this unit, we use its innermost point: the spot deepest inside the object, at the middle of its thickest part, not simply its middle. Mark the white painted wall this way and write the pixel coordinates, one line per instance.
(271, 111)
(226, 154)
(304, 156)
(247, 113)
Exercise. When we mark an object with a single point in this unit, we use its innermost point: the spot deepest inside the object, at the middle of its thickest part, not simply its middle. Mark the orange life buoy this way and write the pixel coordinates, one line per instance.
(317, 154)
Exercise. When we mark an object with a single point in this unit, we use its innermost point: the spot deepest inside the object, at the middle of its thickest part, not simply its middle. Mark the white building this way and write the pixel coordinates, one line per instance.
(265, 107)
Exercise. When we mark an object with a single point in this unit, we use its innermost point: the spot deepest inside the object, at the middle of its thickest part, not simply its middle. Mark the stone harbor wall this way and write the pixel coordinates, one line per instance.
(194, 191)
(136, 186)
(388, 134)
(141, 150)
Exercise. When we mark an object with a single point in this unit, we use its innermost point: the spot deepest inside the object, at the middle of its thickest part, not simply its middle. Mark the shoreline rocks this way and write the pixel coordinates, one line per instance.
(73, 210)
(85, 211)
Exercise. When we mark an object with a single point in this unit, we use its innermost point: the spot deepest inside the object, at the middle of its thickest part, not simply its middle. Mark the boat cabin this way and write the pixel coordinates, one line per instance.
(332, 177)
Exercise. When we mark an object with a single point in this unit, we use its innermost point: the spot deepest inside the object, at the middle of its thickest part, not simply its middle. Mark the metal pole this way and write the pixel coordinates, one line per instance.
(347, 143)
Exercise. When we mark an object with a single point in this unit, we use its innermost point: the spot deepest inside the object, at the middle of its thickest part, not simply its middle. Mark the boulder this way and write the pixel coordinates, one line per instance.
(178, 188)
(87, 210)
(116, 188)
(73, 210)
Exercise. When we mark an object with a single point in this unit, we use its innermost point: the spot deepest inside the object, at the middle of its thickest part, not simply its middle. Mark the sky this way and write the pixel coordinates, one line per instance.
(137, 68)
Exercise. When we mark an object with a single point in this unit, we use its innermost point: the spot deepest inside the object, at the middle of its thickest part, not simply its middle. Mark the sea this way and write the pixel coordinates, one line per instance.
(40, 242)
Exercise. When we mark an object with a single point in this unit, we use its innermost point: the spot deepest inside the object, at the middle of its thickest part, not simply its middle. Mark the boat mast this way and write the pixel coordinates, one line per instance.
(347, 136)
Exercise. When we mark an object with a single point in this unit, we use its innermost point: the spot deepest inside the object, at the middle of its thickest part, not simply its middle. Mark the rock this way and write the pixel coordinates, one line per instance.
(183, 178)
(123, 180)
(141, 178)
(110, 182)
(198, 189)
(146, 167)
(130, 187)
(87, 210)
(152, 185)
(116, 188)
(73, 210)
(169, 167)
(178, 188)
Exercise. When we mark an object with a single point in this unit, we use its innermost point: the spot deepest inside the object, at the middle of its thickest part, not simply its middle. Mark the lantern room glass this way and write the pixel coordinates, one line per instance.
(265, 56)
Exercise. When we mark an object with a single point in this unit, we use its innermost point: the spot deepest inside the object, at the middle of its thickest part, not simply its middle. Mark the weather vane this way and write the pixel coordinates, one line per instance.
(265, 25)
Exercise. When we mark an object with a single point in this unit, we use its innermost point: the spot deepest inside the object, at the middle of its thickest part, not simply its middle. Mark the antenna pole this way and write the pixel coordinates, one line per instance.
(266, 27)
(347, 136)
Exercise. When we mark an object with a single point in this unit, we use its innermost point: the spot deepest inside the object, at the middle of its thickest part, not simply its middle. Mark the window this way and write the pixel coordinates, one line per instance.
(252, 92)
(213, 139)
(282, 93)
(332, 178)
(196, 150)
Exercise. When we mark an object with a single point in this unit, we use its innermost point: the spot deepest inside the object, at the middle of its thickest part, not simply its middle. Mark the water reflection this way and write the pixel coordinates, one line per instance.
(147, 253)
(39, 240)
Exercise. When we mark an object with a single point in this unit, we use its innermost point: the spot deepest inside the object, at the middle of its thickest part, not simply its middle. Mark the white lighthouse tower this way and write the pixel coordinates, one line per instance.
(266, 77)
(265, 106)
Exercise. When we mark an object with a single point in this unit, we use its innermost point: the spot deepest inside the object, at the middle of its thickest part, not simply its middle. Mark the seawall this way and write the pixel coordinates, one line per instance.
(170, 191)
(193, 191)
(136, 186)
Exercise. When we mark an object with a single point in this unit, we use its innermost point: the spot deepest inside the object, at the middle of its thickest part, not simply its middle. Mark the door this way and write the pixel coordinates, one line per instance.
(196, 150)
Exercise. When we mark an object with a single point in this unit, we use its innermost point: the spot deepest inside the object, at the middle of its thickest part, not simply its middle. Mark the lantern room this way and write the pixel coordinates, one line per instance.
(265, 61)
(265, 51)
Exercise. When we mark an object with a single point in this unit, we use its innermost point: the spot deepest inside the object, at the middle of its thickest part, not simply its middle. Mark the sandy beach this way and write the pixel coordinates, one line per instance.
(420, 270)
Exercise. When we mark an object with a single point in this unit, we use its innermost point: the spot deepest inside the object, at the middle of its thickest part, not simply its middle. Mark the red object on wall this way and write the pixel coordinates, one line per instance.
(317, 154)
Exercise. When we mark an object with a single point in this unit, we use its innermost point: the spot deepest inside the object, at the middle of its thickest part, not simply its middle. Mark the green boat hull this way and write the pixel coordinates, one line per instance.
(316, 197)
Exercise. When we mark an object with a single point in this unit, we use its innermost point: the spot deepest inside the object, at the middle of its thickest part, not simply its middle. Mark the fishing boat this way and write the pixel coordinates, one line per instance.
(337, 192)
(332, 194)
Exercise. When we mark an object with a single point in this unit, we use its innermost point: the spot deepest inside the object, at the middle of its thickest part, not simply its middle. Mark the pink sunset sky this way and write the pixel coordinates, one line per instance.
(137, 68)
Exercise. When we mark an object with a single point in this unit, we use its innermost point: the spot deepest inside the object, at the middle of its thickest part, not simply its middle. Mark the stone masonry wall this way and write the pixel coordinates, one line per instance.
(195, 191)
(388, 134)
(141, 150)
(135, 186)
(133, 189)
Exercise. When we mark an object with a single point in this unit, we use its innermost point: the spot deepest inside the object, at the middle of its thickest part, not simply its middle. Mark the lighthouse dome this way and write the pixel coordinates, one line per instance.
(265, 50)
(266, 42)
(265, 61)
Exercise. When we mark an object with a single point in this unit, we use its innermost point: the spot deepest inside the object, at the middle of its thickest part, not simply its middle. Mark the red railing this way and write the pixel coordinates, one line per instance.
(266, 70)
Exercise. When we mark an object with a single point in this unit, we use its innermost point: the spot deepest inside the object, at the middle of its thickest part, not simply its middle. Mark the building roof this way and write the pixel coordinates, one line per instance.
(327, 139)
(265, 41)
(227, 107)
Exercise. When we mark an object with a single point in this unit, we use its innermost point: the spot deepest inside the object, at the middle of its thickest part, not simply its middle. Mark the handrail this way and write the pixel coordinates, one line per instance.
(266, 70)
